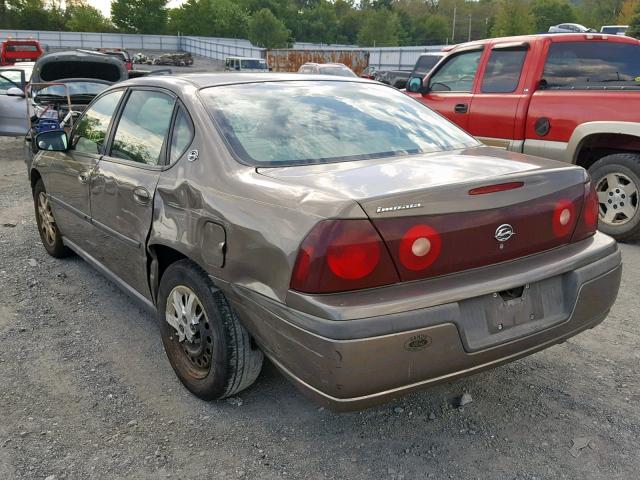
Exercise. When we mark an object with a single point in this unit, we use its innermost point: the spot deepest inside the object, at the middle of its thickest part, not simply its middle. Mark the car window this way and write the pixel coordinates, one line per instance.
(143, 127)
(91, 130)
(181, 136)
(425, 64)
(311, 122)
(590, 64)
(457, 73)
(502, 73)
(6, 84)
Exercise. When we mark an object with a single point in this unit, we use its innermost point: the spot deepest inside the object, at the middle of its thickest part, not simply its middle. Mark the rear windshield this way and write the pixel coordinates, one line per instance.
(336, 71)
(591, 64)
(425, 64)
(22, 48)
(253, 64)
(613, 30)
(311, 122)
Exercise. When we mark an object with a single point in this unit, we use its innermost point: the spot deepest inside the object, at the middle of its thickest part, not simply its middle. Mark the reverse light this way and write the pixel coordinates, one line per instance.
(563, 220)
(342, 255)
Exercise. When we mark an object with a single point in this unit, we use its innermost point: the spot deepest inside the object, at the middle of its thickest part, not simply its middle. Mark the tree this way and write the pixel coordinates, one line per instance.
(627, 11)
(85, 18)
(379, 29)
(513, 18)
(546, 13)
(266, 31)
(33, 15)
(212, 18)
(139, 16)
(431, 30)
(634, 24)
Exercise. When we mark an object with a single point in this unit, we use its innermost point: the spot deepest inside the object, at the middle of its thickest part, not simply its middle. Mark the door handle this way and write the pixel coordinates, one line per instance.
(461, 108)
(84, 176)
(141, 195)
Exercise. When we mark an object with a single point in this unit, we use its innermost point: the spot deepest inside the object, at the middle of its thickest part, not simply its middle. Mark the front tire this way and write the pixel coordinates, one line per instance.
(47, 227)
(209, 350)
(617, 182)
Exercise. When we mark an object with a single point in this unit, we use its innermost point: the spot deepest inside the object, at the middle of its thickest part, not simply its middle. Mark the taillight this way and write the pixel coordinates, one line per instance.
(419, 247)
(564, 218)
(588, 221)
(341, 255)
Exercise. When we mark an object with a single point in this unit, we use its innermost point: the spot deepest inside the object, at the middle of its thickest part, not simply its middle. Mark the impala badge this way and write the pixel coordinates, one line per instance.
(504, 232)
(398, 207)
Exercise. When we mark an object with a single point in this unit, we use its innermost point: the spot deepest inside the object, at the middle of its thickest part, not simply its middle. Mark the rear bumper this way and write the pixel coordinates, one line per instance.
(353, 364)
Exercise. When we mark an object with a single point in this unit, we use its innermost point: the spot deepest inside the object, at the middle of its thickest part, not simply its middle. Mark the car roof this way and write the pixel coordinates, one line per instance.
(554, 37)
(203, 80)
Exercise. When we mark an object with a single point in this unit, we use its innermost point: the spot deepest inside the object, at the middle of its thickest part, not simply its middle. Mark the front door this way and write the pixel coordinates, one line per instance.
(68, 174)
(450, 87)
(124, 184)
(13, 109)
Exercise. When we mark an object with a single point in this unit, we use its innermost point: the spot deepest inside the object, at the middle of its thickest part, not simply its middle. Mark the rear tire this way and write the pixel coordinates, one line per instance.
(617, 181)
(47, 227)
(219, 359)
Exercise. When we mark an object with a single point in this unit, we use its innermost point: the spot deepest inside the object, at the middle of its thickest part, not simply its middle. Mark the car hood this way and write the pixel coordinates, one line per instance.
(430, 179)
(78, 64)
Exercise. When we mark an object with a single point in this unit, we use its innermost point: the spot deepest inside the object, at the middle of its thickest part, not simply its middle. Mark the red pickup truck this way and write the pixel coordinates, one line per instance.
(12, 51)
(570, 97)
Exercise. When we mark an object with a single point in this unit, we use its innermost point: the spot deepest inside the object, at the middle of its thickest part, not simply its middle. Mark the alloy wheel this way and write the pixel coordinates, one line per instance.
(47, 222)
(617, 199)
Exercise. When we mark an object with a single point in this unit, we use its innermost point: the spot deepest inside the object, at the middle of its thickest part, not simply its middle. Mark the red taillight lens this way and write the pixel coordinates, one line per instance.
(419, 247)
(341, 255)
(588, 221)
(499, 187)
(564, 218)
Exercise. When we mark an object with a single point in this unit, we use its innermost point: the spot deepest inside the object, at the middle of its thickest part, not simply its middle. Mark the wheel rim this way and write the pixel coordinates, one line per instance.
(191, 330)
(617, 199)
(47, 222)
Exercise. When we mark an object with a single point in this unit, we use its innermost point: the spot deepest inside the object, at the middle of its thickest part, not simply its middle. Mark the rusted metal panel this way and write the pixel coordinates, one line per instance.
(290, 60)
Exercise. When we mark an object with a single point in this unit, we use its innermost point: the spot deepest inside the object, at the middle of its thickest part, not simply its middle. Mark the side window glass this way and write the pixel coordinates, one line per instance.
(181, 137)
(457, 74)
(143, 127)
(5, 84)
(91, 130)
(502, 74)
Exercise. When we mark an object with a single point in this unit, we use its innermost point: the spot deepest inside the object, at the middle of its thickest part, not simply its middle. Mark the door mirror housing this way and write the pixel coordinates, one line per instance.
(15, 92)
(53, 141)
(415, 85)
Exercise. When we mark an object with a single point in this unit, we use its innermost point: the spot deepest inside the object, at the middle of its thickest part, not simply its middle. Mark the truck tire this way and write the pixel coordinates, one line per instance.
(217, 357)
(47, 227)
(617, 181)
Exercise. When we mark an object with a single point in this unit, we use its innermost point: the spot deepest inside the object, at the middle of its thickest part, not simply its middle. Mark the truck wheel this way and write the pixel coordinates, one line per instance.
(47, 227)
(210, 351)
(617, 179)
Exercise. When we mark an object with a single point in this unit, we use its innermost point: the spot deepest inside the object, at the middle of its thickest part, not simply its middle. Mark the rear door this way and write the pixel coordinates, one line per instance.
(450, 87)
(124, 184)
(501, 90)
(13, 109)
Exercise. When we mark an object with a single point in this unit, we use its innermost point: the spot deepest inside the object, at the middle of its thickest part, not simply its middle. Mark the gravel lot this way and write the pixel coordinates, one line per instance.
(87, 392)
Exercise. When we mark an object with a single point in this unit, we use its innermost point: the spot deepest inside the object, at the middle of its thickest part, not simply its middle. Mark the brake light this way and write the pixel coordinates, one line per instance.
(500, 187)
(563, 220)
(342, 255)
(419, 247)
(588, 221)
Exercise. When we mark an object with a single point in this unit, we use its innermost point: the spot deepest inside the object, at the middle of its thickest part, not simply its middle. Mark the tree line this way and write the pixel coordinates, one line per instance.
(279, 23)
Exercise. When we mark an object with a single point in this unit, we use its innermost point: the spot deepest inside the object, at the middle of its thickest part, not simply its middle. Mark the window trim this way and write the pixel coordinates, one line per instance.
(162, 159)
(449, 58)
(176, 109)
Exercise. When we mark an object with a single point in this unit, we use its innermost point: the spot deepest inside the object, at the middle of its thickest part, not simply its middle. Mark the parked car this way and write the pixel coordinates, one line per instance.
(396, 78)
(570, 28)
(614, 29)
(359, 240)
(424, 64)
(245, 64)
(569, 97)
(13, 107)
(15, 51)
(368, 72)
(335, 69)
(118, 53)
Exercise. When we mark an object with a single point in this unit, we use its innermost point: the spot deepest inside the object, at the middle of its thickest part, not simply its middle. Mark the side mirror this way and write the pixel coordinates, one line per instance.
(415, 85)
(15, 92)
(53, 141)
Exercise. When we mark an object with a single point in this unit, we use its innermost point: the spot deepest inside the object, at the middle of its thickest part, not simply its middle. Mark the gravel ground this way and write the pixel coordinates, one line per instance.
(87, 392)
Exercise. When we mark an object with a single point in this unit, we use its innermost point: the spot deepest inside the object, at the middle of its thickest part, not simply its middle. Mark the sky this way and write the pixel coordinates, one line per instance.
(105, 5)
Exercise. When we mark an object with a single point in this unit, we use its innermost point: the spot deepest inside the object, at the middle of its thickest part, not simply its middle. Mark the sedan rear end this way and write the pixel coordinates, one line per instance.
(422, 255)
